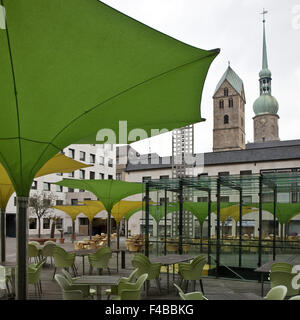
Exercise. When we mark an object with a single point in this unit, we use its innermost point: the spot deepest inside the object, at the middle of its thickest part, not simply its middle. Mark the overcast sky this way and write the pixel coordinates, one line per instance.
(234, 26)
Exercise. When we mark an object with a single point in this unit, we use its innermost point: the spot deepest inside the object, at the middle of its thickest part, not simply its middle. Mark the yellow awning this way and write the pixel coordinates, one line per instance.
(58, 164)
(91, 210)
(234, 212)
(72, 211)
(120, 209)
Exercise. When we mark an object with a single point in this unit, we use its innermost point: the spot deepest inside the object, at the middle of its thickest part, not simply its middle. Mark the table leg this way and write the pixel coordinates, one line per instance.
(168, 286)
(262, 283)
(83, 265)
(173, 272)
(117, 261)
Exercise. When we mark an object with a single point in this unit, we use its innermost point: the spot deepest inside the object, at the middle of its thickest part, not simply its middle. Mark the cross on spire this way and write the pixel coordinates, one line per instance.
(264, 13)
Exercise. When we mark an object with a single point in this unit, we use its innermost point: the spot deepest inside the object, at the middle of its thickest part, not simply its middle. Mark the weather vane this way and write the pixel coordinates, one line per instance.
(264, 13)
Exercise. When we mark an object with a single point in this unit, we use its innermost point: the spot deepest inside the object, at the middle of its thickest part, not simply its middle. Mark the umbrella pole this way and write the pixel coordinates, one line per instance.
(73, 230)
(22, 239)
(108, 228)
(3, 234)
(118, 235)
(90, 229)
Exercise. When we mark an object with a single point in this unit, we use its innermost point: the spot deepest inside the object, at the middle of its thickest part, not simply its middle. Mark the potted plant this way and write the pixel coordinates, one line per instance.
(62, 239)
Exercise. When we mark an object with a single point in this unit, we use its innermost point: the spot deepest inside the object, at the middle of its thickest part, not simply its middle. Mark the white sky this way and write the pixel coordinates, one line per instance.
(234, 26)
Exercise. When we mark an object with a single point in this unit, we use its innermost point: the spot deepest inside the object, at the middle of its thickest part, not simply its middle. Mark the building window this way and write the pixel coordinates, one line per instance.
(46, 223)
(246, 172)
(226, 119)
(223, 173)
(92, 175)
(34, 185)
(15, 201)
(59, 174)
(224, 199)
(70, 190)
(101, 176)
(59, 223)
(81, 190)
(92, 158)
(110, 177)
(119, 176)
(82, 156)
(164, 177)
(72, 153)
(221, 104)
(145, 179)
(71, 174)
(83, 221)
(74, 202)
(230, 103)
(202, 199)
(162, 201)
(59, 188)
(46, 186)
(101, 160)
(59, 202)
(81, 174)
(32, 223)
(110, 163)
(226, 92)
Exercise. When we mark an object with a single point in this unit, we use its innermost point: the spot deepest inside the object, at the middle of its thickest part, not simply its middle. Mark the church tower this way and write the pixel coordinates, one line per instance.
(266, 106)
(229, 113)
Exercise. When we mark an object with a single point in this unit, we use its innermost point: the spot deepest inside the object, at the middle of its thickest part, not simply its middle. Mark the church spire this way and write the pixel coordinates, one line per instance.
(265, 56)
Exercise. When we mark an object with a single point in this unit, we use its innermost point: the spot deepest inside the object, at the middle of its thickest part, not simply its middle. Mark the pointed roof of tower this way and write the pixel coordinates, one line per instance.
(234, 80)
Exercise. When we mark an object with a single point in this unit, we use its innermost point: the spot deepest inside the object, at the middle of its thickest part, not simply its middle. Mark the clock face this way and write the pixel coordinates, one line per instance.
(263, 121)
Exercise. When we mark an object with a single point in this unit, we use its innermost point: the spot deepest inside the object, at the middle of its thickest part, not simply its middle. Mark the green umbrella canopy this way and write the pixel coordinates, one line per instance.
(109, 192)
(198, 209)
(158, 212)
(131, 213)
(68, 67)
(284, 211)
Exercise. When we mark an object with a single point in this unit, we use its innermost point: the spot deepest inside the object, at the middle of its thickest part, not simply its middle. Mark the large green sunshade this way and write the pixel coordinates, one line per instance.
(109, 192)
(72, 67)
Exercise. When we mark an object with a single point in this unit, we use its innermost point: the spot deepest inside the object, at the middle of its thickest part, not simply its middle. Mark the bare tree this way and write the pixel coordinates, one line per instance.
(41, 204)
(54, 219)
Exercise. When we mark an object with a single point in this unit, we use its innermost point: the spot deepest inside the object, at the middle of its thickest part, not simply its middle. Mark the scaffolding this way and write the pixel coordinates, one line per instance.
(182, 150)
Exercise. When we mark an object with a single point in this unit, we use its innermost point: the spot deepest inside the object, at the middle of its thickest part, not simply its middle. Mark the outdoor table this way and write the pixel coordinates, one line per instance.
(84, 252)
(12, 266)
(98, 281)
(172, 259)
(266, 268)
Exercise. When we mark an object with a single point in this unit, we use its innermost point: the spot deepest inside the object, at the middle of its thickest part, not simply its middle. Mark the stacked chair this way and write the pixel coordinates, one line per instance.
(69, 291)
(33, 251)
(87, 292)
(100, 259)
(192, 271)
(145, 266)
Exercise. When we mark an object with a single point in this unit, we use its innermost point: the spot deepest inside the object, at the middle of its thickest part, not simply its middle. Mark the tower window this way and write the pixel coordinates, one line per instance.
(226, 92)
(226, 119)
(221, 104)
(230, 103)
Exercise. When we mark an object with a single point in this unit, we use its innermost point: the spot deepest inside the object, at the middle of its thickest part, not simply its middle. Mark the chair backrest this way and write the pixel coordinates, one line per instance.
(295, 298)
(281, 266)
(62, 282)
(32, 250)
(140, 281)
(192, 296)
(50, 242)
(67, 276)
(202, 257)
(47, 250)
(276, 293)
(132, 274)
(37, 244)
(278, 278)
(178, 288)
